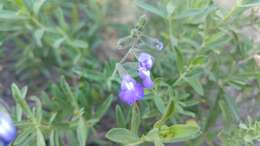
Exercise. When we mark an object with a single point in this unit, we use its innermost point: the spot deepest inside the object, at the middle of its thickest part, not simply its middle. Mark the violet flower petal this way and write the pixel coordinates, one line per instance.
(145, 60)
(146, 78)
(7, 129)
(130, 91)
(148, 83)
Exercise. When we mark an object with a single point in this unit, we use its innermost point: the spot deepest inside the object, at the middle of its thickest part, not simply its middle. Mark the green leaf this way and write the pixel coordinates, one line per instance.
(68, 92)
(237, 83)
(158, 143)
(151, 8)
(19, 110)
(232, 107)
(23, 136)
(37, 6)
(250, 5)
(10, 15)
(153, 136)
(38, 34)
(19, 97)
(93, 76)
(82, 132)
(170, 110)
(170, 8)
(227, 117)
(195, 12)
(179, 132)
(180, 110)
(78, 44)
(52, 118)
(62, 22)
(179, 60)
(195, 84)
(122, 135)
(104, 107)
(40, 138)
(136, 119)
(38, 107)
(52, 138)
(8, 28)
(57, 43)
(200, 60)
(213, 113)
(120, 118)
(159, 104)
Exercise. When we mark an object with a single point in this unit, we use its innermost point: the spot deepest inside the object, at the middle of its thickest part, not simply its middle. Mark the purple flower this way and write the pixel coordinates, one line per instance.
(131, 91)
(7, 129)
(144, 74)
(158, 45)
(145, 61)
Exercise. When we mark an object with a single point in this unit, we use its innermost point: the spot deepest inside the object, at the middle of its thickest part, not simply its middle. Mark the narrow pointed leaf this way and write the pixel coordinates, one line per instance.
(195, 84)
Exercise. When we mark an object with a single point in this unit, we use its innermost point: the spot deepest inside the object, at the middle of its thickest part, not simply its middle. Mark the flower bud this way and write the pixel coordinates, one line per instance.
(145, 61)
(141, 23)
(158, 45)
(153, 43)
(144, 74)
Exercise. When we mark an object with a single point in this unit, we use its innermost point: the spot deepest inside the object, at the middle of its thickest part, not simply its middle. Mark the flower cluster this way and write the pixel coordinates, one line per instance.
(7, 129)
(131, 90)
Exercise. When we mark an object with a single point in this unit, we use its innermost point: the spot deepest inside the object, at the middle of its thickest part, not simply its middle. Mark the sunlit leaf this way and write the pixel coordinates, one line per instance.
(121, 135)
(179, 132)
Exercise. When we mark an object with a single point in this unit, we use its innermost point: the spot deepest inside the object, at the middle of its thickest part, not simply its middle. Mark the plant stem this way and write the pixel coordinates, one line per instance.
(170, 32)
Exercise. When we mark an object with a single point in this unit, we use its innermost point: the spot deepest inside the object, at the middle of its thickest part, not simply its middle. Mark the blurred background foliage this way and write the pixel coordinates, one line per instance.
(49, 38)
(65, 52)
